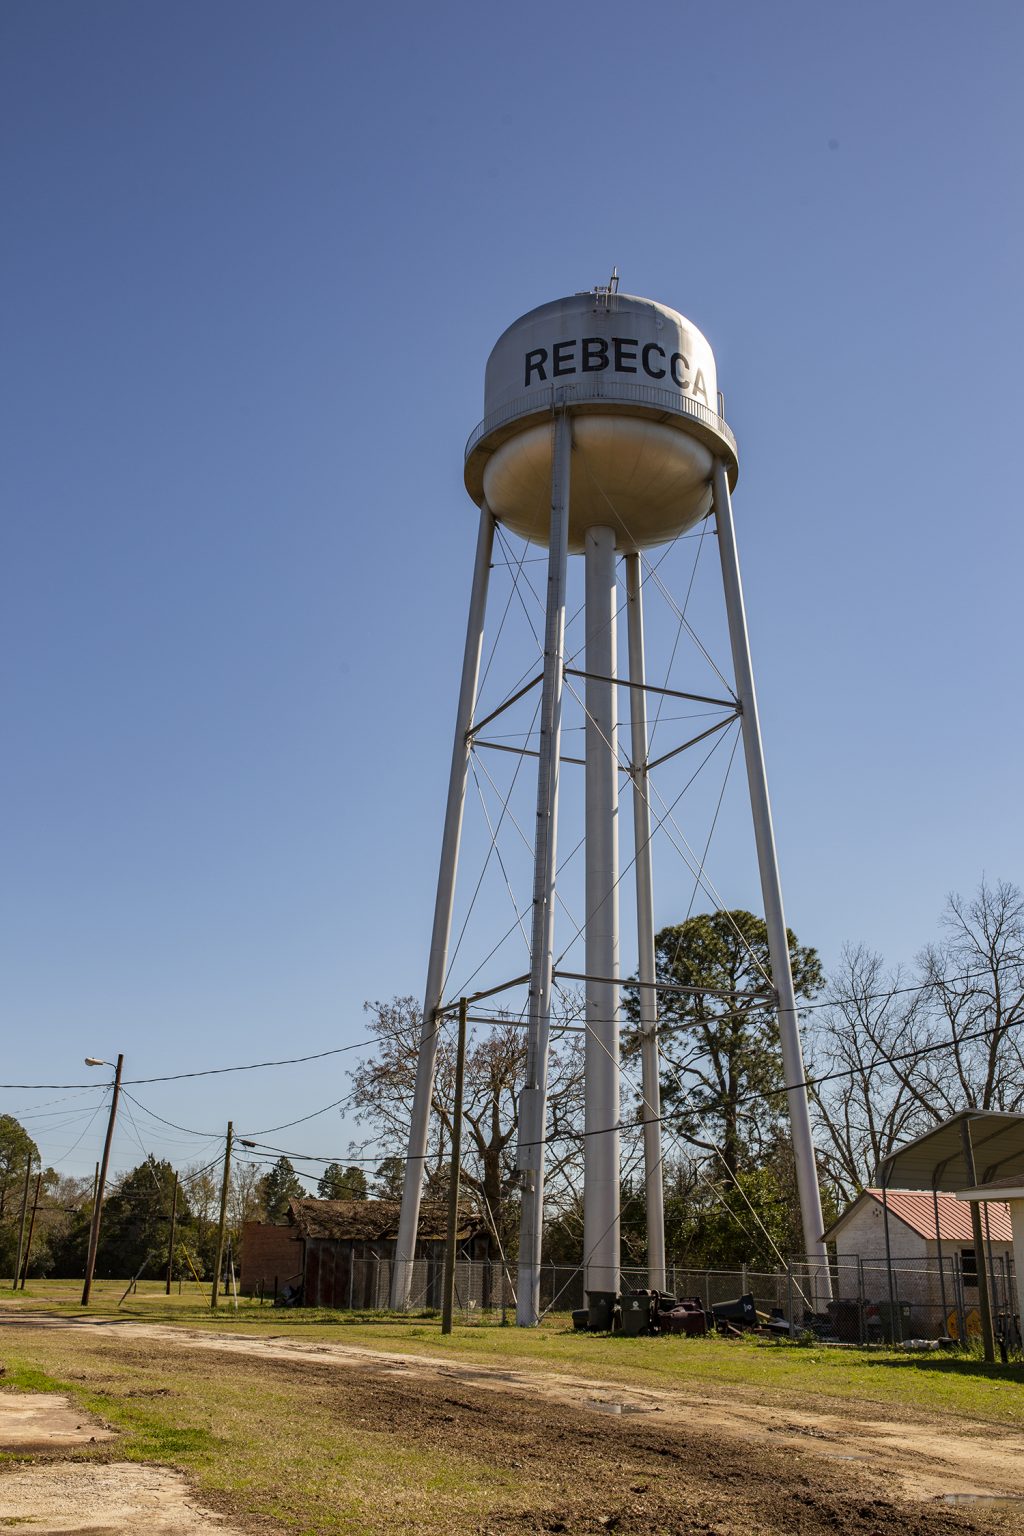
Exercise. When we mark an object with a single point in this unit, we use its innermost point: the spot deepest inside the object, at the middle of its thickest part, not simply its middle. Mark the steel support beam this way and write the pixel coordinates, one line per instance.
(405, 1247)
(771, 886)
(646, 965)
(601, 1148)
(533, 1098)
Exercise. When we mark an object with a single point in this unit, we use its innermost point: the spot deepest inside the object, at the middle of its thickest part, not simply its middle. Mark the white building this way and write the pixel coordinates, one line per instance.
(916, 1245)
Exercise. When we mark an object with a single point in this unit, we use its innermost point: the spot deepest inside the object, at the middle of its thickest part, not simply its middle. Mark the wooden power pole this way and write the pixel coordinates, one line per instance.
(170, 1241)
(31, 1228)
(223, 1215)
(101, 1179)
(24, 1212)
(448, 1304)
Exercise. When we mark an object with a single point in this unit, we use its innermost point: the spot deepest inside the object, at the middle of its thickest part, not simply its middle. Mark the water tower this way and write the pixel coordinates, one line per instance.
(602, 436)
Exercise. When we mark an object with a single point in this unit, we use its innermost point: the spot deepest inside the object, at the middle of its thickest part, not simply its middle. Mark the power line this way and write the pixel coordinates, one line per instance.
(268, 1130)
(177, 1077)
(765, 1094)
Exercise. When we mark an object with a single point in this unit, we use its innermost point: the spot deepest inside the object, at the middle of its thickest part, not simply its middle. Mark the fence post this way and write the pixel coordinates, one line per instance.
(961, 1299)
(789, 1289)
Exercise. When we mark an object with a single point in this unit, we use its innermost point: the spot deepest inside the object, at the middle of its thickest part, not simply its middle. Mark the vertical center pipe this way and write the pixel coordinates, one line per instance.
(771, 886)
(601, 1146)
(533, 1097)
(423, 1092)
(646, 963)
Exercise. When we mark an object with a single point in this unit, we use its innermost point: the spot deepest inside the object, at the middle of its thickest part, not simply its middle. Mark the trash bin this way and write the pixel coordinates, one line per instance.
(846, 1319)
(581, 1319)
(741, 1313)
(601, 1308)
(636, 1315)
(880, 1321)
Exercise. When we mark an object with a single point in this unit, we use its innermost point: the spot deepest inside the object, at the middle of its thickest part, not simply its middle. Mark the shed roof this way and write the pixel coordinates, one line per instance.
(936, 1160)
(916, 1209)
(375, 1220)
(1010, 1188)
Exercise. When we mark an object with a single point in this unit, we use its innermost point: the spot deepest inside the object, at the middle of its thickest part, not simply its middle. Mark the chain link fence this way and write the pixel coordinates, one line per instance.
(849, 1299)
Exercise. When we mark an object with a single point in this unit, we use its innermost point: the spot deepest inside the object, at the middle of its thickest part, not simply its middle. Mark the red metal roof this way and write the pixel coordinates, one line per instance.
(917, 1210)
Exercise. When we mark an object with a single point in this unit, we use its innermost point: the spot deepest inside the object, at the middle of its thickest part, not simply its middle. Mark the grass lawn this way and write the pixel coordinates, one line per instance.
(931, 1383)
(258, 1442)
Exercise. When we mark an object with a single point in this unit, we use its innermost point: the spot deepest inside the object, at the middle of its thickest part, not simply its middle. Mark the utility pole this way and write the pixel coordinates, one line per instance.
(31, 1228)
(453, 1182)
(170, 1244)
(24, 1210)
(101, 1180)
(223, 1215)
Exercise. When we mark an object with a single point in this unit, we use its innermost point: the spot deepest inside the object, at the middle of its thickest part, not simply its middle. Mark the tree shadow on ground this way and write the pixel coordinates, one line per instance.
(951, 1365)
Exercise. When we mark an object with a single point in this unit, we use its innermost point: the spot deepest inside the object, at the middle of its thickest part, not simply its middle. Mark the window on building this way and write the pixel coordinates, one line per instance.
(969, 1266)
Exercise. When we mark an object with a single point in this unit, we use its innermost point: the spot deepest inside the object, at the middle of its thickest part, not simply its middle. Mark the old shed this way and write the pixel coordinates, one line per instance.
(341, 1251)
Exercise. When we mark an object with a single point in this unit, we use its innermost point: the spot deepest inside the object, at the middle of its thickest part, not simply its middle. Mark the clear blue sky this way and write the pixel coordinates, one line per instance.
(254, 257)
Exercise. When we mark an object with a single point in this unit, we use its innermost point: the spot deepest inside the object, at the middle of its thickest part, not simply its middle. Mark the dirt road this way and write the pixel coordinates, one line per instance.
(595, 1458)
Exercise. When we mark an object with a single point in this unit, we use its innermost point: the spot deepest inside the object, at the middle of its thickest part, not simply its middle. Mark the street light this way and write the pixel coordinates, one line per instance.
(94, 1230)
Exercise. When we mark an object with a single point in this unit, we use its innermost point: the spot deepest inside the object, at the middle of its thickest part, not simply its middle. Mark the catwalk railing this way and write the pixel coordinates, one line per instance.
(597, 391)
(852, 1299)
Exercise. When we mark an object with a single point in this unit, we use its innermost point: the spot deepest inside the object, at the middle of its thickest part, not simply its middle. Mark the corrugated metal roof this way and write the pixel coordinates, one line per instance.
(936, 1159)
(916, 1209)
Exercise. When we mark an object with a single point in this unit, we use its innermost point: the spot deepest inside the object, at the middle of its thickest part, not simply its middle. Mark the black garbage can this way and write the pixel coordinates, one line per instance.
(741, 1313)
(601, 1307)
(636, 1315)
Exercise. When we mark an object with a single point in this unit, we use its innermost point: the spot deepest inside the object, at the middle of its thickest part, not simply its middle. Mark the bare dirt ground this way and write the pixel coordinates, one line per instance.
(921, 1455)
(46, 1422)
(591, 1457)
(117, 1498)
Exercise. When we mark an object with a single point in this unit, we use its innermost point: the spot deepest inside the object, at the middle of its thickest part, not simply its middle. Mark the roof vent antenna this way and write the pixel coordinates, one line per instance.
(604, 291)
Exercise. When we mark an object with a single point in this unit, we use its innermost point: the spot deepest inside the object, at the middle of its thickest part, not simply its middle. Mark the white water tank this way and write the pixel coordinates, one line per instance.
(641, 385)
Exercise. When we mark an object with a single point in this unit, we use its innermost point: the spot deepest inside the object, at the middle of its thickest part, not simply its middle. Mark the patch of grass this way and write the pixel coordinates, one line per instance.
(757, 1368)
(27, 1378)
(260, 1441)
(961, 1385)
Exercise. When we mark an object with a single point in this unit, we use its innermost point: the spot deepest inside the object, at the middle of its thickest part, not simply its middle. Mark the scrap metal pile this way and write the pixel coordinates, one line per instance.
(655, 1312)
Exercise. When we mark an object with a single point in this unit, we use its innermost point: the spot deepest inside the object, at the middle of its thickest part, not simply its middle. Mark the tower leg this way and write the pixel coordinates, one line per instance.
(771, 887)
(533, 1098)
(601, 1147)
(646, 969)
(405, 1247)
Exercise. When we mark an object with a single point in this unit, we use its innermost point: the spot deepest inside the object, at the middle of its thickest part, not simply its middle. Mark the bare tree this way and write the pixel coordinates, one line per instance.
(975, 999)
(863, 1106)
(495, 1068)
(244, 1198)
(896, 1055)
